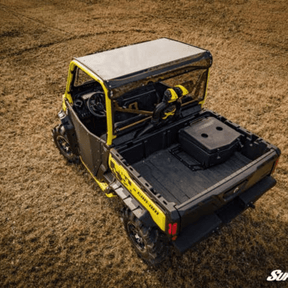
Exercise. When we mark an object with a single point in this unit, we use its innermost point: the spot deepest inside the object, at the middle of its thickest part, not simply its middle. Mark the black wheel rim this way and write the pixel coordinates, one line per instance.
(136, 237)
(64, 146)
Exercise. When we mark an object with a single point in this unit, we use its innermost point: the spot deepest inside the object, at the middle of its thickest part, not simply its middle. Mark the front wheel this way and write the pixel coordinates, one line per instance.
(149, 243)
(61, 141)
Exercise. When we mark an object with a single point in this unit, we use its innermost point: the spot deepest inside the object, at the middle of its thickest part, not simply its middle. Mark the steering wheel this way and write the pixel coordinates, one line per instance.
(96, 105)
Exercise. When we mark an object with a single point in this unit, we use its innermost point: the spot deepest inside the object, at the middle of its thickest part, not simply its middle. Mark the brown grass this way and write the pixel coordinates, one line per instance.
(56, 228)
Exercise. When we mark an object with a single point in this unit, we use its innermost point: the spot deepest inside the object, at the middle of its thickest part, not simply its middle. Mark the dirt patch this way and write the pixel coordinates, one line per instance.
(56, 228)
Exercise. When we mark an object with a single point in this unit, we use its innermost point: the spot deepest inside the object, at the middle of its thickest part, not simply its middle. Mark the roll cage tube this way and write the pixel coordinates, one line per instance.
(108, 101)
(206, 88)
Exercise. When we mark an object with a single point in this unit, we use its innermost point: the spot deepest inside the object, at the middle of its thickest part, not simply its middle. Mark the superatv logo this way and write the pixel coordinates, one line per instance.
(278, 275)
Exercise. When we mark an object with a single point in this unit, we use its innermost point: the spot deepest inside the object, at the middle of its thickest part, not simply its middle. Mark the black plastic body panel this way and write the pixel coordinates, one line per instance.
(91, 148)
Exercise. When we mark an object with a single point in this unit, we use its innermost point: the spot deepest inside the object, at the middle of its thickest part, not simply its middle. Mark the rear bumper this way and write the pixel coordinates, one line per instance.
(199, 230)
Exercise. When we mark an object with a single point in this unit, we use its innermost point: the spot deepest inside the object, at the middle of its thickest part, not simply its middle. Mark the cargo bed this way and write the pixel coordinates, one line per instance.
(176, 182)
(181, 179)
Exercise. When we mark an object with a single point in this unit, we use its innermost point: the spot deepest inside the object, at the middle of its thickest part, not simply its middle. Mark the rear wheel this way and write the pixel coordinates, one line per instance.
(150, 244)
(61, 141)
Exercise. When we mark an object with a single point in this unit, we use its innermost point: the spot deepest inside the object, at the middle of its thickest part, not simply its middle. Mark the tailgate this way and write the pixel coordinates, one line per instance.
(207, 225)
(225, 191)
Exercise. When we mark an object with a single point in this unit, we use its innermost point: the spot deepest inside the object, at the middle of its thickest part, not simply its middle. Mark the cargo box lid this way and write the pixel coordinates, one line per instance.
(210, 134)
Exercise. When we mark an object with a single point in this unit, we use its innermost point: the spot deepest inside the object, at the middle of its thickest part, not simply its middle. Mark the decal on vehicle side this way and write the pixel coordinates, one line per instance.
(123, 176)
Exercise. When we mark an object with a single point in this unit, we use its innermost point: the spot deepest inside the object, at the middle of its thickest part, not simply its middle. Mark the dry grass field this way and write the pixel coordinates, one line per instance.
(56, 228)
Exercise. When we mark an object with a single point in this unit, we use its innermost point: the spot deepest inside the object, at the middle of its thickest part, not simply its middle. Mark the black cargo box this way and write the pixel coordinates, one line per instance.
(209, 141)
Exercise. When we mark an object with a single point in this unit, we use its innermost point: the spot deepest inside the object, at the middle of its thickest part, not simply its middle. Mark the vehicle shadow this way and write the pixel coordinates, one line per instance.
(243, 254)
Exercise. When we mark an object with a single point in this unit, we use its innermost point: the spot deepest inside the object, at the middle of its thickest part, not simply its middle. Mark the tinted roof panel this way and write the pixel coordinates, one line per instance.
(131, 59)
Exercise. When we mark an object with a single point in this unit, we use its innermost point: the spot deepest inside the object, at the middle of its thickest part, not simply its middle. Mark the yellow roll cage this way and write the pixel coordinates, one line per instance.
(108, 101)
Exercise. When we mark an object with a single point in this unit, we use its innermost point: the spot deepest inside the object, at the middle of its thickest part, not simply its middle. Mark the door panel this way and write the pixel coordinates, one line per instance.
(89, 144)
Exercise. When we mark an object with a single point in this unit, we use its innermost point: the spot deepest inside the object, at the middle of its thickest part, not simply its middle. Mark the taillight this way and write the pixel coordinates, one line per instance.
(275, 164)
(172, 230)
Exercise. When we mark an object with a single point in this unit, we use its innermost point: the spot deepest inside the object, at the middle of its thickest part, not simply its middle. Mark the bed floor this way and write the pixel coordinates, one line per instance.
(176, 182)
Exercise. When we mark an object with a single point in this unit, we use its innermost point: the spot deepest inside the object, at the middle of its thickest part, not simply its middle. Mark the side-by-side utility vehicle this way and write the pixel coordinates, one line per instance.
(134, 117)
